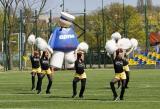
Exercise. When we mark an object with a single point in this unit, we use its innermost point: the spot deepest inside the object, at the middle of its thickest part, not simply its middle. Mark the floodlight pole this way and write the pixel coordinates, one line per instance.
(20, 40)
(5, 56)
(104, 32)
(36, 27)
(146, 25)
(124, 20)
(103, 24)
(63, 6)
(50, 24)
(84, 20)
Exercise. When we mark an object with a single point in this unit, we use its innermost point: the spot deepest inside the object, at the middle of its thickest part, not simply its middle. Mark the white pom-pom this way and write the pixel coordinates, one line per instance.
(83, 46)
(31, 39)
(134, 42)
(41, 44)
(70, 57)
(111, 46)
(124, 43)
(116, 36)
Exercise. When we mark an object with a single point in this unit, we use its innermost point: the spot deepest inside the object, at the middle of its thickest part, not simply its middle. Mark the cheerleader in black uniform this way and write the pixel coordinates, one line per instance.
(120, 75)
(126, 67)
(35, 61)
(80, 75)
(45, 67)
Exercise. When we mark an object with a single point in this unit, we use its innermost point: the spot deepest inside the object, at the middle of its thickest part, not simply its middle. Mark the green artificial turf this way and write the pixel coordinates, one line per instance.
(143, 92)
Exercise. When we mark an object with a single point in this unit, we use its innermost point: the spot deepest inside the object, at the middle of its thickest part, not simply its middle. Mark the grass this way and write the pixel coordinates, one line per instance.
(143, 92)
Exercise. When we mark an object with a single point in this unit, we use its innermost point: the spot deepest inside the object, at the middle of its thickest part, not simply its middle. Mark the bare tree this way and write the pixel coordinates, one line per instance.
(11, 9)
(141, 3)
(7, 23)
(29, 7)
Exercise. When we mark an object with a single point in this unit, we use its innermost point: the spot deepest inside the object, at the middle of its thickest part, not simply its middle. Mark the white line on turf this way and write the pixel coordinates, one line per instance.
(11, 83)
(21, 108)
(75, 100)
(33, 94)
(133, 82)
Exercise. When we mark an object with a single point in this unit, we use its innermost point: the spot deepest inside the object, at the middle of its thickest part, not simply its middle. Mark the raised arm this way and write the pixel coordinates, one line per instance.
(127, 53)
(32, 50)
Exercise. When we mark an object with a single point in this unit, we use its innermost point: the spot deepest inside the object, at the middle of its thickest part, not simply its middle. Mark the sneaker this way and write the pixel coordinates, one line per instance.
(32, 88)
(121, 99)
(37, 88)
(48, 92)
(116, 98)
(126, 87)
(74, 95)
(39, 91)
(80, 96)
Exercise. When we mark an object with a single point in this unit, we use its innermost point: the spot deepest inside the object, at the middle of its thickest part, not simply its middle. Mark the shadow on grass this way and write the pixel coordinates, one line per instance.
(107, 88)
(54, 96)
(79, 99)
(96, 99)
(101, 88)
(25, 93)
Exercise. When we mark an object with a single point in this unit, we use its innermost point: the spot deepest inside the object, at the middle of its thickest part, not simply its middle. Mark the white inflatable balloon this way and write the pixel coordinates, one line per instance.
(124, 43)
(83, 46)
(70, 57)
(111, 46)
(69, 66)
(31, 39)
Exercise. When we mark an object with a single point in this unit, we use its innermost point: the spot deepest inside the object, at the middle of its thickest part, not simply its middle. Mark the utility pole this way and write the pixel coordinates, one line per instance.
(36, 26)
(103, 25)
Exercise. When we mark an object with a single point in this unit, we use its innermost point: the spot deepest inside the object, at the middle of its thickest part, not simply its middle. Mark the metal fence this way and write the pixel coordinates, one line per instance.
(110, 22)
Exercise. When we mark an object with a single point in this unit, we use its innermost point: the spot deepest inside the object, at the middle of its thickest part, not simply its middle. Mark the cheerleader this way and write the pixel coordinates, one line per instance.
(119, 63)
(35, 61)
(44, 61)
(80, 75)
(126, 67)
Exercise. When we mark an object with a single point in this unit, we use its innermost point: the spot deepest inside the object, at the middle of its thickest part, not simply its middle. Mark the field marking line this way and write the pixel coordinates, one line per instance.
(76, 100)
(34, 93)
(21, 108)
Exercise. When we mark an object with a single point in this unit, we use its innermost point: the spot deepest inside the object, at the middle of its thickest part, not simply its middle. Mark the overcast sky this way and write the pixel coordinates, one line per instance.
(78, 5)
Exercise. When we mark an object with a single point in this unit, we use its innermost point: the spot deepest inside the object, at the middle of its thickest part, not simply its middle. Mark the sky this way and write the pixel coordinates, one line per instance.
(77, 6)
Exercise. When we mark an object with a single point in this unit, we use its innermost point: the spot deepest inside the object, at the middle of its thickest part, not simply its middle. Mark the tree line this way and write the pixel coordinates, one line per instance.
(127, 20)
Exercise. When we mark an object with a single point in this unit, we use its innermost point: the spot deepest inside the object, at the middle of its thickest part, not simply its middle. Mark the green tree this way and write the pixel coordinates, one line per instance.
(114, 21)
